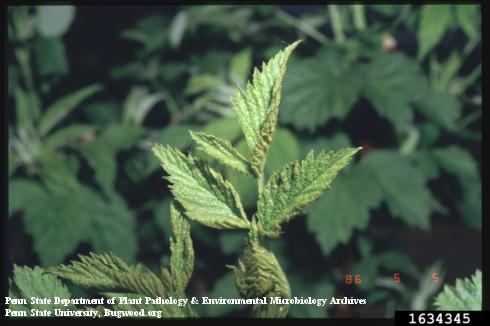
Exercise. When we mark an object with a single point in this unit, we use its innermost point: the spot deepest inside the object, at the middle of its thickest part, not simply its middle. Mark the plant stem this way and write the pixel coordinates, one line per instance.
(359, 17)
(260, 182)
(336, 24)
(302, 26)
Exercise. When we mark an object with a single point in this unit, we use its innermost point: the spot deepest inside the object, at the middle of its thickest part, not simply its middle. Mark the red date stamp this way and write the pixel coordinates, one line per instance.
(350, 279)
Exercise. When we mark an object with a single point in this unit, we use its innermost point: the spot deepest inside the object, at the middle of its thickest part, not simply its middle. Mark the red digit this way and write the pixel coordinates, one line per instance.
(396, 278)
(435, 277)
(358, 279)
(348, 279)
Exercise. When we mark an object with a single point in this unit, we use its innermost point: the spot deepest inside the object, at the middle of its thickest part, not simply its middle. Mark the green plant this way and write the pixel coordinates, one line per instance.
(206, 197)
(465, 295)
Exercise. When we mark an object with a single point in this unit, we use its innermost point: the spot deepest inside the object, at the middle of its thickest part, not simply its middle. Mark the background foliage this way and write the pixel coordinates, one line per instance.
(87, 96)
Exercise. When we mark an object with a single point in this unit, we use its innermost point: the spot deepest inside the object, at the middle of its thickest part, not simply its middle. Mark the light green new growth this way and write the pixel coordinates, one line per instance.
(257, 106)
(465, 295)
(223, 151)
(204, 196)
(182, 259)
(207, 197)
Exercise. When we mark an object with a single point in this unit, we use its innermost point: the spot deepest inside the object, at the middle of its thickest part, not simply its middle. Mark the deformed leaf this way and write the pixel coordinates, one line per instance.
(182, 259)
(257, 106)
(297, 184)
(206, 196)
(106, 272)
(465, 295)
(223, 151)
(259, 275)
(34, 282)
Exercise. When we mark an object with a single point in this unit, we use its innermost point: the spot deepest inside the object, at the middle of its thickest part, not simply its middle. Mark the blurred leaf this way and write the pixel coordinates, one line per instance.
(434, 21)
(387, 10)
(122, 137)
(23, 109)
(320, 88)
(442, 109)
(102, 113)
(345, 208)
(320, 289)
(466, 295)
(23, 192)
(102, 158)
(245, 186)
(139, 103)
(47, 215)
(319, 143)
(240, 66)
(458, 161)
(225, 288)
(226, 128)
(231, 242)
(393, 82)
(471, 205)
(404, 187)
(114, 229)
(201, 83)
(69, 134)
(50, 55)
(284, 149)
(177, 29)
(62, 107)
(468, 18)
(54, 21)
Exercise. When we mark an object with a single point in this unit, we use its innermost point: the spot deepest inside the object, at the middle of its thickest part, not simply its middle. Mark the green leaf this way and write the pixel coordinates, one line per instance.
(54, 21)
(404, 186)
(113, 228)
(240, 66)
(62, 107)
(207, 197)
(122, 137)
(102, 158)
(23, 110)
(34, 282)
(225, 128)
(434, 21)
(22, 193)
(257, 106)
(458, 161)
(319, 289)
(290, 189)
(466, 295)
(259, 274)
(177, 28)
(319, 89)
(469, 19)
(442, 109)
(284, 149)
(393, 82)
(106, 272)
(223, 151)
(69, 134)
(50, 55)
(346, 208)
(182, 259)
